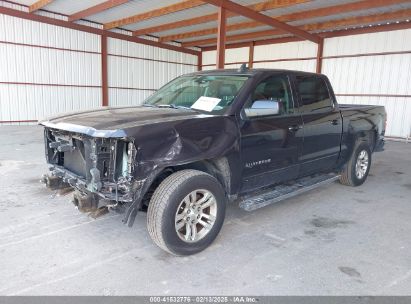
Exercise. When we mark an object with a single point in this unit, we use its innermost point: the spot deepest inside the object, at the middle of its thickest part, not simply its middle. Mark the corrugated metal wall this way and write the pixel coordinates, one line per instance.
(364, 69)
(46, 69)
(374, 74)
(294, 54)
(136, 70)
(209, 59)
(233, 58)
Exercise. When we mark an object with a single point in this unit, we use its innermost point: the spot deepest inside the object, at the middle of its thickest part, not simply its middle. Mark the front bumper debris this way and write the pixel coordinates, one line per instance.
(115, 191)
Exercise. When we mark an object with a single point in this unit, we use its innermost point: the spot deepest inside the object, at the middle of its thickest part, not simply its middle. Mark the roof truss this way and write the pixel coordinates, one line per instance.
(249, 13)
(334, 24)
(315, 13)
(316, 32)
(339, 33)
(38, 5)
(258, 7)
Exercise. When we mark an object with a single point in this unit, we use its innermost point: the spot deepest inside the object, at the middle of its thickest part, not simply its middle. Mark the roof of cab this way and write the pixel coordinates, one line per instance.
(248, 72)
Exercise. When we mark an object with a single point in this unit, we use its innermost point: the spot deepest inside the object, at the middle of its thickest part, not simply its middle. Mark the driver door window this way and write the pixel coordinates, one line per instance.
(271, 97)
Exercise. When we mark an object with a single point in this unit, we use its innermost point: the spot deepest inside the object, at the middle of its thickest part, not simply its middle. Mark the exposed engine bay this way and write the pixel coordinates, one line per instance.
(93, 167)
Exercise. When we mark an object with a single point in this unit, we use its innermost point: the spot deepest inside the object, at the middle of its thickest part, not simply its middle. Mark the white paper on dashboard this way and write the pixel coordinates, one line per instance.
(206, 103)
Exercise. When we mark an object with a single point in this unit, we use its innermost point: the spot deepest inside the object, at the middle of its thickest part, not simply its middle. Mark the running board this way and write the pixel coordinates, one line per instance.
(282, 192)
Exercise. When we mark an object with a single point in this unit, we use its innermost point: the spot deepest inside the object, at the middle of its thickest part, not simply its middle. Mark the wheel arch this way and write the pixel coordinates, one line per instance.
(369, 137)
(218, 168)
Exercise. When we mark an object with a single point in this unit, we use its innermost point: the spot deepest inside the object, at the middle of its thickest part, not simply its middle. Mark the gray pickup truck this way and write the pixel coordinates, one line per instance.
(254, 137)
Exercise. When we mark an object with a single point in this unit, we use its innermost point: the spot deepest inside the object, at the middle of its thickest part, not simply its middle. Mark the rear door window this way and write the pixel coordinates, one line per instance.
(314, 95)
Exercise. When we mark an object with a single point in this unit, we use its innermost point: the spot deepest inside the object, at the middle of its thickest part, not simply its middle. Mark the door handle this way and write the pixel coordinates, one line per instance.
(335, 122)
(294, 128)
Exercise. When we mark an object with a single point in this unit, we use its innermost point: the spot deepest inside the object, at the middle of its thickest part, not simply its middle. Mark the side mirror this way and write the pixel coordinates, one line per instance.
(263, 108)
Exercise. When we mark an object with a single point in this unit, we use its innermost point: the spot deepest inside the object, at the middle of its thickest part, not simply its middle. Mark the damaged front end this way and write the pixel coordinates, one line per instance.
(95, 167)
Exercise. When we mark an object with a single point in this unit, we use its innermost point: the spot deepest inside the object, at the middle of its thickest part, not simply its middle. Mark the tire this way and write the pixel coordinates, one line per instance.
(171, 201)
(351, 175)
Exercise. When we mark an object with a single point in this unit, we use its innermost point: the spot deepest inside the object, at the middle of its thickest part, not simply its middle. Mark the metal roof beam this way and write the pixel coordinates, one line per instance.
(183, 5)
(329, 25)
(315, 13)
(249, 13)
(38, 5)
(222, 20)
(256, 43)
(339, 33)
(368, 30)
(258, 7)
(96, 9)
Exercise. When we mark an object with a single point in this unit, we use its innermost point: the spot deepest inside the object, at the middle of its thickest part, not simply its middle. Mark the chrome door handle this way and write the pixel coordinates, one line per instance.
(294, 128)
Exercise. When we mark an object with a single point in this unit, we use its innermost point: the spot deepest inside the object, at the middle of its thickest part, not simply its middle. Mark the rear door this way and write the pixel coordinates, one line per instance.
(322, 124)
(271, 144)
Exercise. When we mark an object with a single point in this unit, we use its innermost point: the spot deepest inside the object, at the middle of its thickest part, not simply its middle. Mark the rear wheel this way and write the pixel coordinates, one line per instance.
(356, 170)
(186, 212)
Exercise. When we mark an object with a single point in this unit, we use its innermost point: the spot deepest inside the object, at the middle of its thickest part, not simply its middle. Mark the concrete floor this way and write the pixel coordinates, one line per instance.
(335, 240)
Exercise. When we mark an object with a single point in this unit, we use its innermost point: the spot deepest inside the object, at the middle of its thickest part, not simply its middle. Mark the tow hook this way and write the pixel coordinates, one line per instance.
(55, 183)
(85, 202)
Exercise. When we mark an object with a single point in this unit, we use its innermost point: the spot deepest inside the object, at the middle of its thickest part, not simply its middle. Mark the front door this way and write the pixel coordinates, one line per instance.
(271, 144)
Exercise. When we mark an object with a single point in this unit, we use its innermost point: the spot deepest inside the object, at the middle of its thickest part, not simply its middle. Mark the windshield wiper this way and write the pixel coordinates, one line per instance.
(170, 106)
(173, 106)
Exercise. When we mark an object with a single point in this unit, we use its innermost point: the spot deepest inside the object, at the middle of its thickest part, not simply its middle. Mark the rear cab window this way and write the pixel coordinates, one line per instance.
(314, 94)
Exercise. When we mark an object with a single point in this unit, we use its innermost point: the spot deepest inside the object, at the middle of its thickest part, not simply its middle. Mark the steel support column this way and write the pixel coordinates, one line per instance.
(200, 61)
(320, 48)
(104, 73)
(251, 55)
(222, 18)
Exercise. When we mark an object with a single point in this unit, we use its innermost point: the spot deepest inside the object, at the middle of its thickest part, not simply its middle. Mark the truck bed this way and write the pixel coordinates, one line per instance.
(360, 118)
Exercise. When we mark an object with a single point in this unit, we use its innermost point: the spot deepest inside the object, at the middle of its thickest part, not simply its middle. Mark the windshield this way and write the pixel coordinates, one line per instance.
(199, 92)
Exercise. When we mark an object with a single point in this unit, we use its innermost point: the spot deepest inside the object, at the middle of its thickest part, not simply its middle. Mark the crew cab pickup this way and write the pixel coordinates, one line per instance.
(250, 136)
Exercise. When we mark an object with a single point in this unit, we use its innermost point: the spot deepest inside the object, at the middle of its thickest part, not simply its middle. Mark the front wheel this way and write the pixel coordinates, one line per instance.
(356, 170)
(186, 212)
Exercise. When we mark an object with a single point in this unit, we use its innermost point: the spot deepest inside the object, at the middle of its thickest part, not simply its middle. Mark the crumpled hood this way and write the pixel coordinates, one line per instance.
(116, 119)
